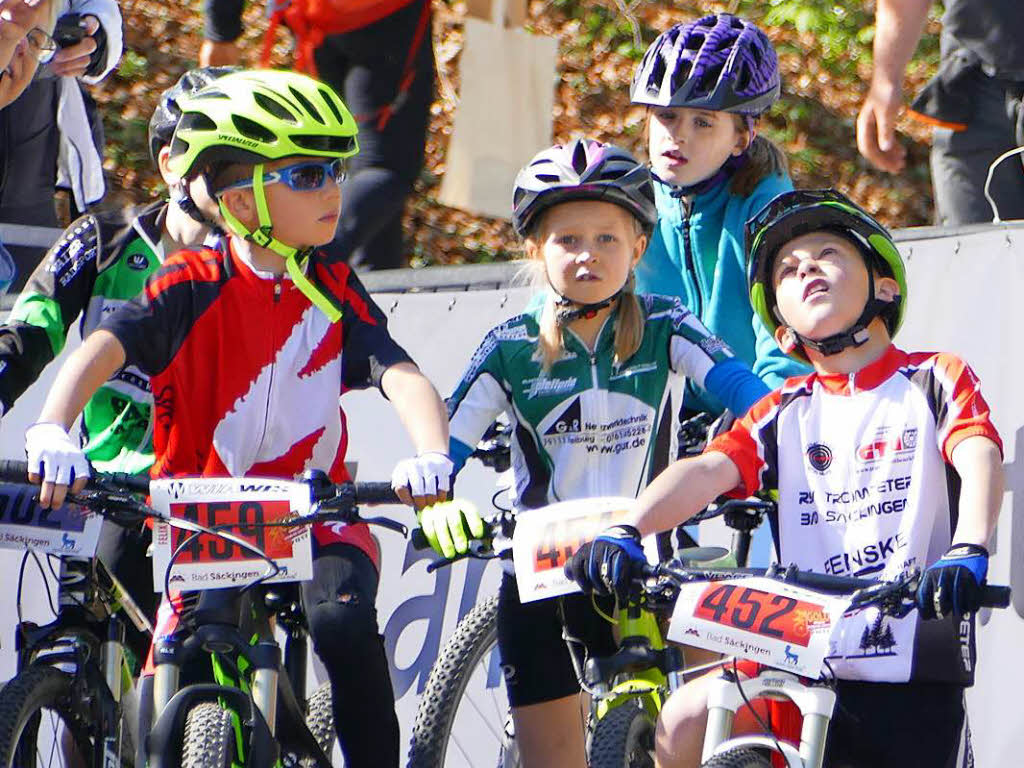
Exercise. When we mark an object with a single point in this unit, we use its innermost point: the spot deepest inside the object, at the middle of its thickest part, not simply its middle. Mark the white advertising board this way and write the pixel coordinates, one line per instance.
(964, 297)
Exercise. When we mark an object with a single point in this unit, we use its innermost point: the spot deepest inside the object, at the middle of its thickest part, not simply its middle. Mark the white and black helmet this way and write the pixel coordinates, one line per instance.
(583, 169)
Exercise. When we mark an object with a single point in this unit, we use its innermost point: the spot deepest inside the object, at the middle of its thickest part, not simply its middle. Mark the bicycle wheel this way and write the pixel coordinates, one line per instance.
(40, 724)
(209, 739)
(739, 757)
(623, 738)
(463, 717)
(320, 717)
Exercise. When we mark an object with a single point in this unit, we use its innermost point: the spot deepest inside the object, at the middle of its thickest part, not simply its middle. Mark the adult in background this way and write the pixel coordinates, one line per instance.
(974, 102)
(46, 136)
(379, 57)
(23, 42)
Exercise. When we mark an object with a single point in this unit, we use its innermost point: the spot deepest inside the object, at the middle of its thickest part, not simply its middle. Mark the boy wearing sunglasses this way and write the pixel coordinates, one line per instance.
(249, 345)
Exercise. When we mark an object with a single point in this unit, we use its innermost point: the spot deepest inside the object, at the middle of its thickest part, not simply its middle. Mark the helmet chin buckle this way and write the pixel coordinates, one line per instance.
(261, 236)
(568, 310)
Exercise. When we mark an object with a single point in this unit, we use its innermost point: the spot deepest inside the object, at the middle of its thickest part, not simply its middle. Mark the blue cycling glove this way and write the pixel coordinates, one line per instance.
(610, 564)
(952, 585)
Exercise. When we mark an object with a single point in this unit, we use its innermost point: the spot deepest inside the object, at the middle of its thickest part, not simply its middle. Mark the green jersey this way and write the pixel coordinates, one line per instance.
(99, 263)
(587, 426)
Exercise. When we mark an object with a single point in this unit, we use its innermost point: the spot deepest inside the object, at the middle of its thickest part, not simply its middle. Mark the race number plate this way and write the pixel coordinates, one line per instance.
(546, 538)
(211, 562)
(71, 530)
(764, 620)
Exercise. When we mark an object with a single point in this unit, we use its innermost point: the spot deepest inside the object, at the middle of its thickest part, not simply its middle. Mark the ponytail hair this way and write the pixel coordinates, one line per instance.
(764, 158)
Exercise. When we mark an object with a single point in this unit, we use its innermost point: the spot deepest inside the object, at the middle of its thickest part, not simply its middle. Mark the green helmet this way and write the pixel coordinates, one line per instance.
(252, 116)
(798, 212)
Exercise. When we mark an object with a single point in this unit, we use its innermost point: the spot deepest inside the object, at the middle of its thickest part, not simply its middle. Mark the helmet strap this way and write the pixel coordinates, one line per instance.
(295, 260)
(182, 198)
(567, 310)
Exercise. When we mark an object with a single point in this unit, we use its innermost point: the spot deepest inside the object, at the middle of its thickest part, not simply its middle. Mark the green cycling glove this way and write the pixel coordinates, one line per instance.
(450, 525)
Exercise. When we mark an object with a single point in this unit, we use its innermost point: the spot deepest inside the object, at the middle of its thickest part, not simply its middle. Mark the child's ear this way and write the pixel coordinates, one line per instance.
(744, 138)
(886, 288)
(531, 248)
(785, 337)
(639, 248)
(163, 158)
(242, 205)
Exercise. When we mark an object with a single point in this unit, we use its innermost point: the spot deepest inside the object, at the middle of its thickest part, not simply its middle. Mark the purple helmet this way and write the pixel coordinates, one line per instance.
(720, 63)
(583, 169)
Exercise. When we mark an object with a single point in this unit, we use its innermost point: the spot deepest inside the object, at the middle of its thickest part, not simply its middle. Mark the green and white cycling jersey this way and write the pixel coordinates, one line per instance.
(99, 263)
(589, 427)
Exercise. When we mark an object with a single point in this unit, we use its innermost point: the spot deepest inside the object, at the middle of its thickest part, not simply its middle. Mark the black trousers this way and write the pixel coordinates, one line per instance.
(366, 67)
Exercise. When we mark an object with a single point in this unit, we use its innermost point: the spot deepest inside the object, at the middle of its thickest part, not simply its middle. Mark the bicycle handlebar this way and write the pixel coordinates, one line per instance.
(336, 501)
(871, 590)
(15, 471)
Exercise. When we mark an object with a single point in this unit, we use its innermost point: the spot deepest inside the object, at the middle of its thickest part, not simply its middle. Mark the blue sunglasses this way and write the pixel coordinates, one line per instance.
(306, 176)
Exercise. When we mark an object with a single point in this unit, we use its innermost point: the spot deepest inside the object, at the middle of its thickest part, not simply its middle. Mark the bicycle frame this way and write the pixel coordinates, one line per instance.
(654, 668)
(88, 634)
(264, 704)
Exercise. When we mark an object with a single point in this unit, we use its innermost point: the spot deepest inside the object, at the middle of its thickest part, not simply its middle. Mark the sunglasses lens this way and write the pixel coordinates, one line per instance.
(307, 177)
(338, 171)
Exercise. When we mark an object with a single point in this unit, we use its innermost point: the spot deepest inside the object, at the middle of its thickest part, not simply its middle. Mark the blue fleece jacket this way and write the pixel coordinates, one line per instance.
(700, 258)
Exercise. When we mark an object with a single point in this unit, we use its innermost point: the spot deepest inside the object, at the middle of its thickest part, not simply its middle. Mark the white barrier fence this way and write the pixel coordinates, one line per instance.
(965, 297)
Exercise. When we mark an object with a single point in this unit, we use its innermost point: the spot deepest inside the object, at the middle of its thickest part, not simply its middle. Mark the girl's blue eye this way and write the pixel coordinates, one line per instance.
(565, 239)
(702, 122)
(606, 238)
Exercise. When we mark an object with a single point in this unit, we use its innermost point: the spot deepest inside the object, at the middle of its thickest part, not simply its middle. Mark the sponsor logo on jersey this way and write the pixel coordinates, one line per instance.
(885, 444)
(819, 456)
(545, 386)
(571, 420)
(138, 262)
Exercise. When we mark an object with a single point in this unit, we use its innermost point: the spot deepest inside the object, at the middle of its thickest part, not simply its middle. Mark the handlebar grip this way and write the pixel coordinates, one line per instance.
(995, 596)
(419, 539)
(13, 471)
(375, 493)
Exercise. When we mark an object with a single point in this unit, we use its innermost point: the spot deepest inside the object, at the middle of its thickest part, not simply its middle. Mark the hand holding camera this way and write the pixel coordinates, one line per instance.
(75, 38)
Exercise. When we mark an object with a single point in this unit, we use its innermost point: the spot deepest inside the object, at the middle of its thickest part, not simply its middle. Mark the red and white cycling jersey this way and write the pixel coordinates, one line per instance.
(866, 488)
(246, 372)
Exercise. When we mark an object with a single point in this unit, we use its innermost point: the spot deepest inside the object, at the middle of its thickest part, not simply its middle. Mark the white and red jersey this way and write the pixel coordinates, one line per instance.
(246, 372)
(866, 488)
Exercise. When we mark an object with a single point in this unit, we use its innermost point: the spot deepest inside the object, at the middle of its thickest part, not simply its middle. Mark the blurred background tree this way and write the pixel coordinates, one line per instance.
(824, 49)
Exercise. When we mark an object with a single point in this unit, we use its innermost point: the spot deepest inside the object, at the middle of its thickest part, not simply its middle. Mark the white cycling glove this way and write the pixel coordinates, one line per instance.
(428, 474)
(50, 445)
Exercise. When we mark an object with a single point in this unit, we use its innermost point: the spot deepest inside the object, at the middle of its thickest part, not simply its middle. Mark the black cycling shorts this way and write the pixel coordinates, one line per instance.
(896, 725)
(534, 657)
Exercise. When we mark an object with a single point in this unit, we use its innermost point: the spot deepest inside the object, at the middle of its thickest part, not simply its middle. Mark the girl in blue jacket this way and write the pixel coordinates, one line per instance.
(704, 84)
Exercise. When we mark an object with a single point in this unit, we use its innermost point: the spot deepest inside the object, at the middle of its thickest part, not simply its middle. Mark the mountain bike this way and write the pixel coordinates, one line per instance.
(72, 701)
(464, 718)
(783, 619)
(253, 712)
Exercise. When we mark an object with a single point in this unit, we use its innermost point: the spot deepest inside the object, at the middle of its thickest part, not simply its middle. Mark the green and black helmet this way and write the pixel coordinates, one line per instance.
(252, 116)
(796, 213)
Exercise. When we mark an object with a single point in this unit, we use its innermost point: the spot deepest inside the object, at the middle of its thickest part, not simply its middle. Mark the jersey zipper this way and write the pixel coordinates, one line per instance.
(599, 400)
(688, 261)
(853, 384)
(270, 381)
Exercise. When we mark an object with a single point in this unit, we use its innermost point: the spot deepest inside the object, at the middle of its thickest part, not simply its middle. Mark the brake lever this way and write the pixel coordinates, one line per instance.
(386, 522)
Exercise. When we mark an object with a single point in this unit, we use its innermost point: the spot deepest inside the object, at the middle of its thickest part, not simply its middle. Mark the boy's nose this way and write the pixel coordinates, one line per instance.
(807, 267)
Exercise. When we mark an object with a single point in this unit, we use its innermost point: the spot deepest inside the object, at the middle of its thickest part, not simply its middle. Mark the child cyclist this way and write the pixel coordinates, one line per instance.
(877, 442)
(704, 84)
(249, 345)
(100, 262)
(593, 356)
